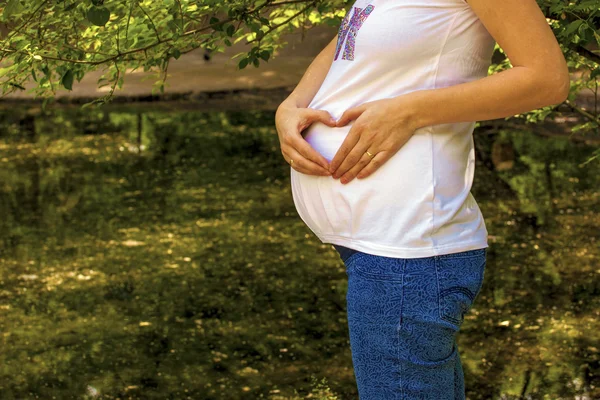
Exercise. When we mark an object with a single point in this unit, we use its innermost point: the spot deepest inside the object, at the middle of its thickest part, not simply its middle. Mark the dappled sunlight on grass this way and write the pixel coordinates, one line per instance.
(184, 270)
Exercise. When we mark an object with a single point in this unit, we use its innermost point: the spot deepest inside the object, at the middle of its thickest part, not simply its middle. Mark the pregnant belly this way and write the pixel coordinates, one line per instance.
(385, 204)
(325, 139)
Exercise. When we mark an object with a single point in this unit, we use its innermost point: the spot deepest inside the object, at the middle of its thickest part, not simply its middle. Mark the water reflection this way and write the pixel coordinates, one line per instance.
(148, 254)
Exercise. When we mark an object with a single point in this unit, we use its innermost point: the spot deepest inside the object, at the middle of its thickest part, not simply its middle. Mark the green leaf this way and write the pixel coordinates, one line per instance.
(6, 70)
(218, 26)
(98, 15)
(230, 30)
(243, 63)
(67, 79)
(173, 26)
(265, 55)
(597, 36)
(13, 8)
(16, 85)
(70, 7)
(573, 26)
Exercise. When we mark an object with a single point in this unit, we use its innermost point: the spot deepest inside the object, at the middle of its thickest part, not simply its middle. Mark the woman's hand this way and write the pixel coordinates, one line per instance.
(382, 127)
(290, 121)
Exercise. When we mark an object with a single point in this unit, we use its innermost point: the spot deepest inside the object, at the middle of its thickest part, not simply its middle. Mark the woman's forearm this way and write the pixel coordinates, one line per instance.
(504, 94)
(314, 76)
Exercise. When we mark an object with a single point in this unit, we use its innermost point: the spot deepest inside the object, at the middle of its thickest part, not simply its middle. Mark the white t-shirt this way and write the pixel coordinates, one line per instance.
(418, 203)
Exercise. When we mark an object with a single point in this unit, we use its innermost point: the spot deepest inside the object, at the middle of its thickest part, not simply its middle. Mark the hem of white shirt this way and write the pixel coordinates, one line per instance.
(400, 252)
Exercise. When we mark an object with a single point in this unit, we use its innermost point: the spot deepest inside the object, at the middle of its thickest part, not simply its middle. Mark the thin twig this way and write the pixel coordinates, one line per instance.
(583, 112)
(274, 27)
(151, 21)
(13, 33)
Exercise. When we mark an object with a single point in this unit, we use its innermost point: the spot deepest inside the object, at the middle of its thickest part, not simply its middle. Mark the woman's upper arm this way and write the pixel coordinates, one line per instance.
(521, 30)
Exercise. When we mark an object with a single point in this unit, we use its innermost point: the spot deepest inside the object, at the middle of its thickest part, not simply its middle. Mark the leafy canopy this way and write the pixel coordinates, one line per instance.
(55, 42)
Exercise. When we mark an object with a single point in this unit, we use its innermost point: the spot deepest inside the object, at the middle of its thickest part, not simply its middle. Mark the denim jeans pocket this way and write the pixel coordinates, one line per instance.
(460, 279)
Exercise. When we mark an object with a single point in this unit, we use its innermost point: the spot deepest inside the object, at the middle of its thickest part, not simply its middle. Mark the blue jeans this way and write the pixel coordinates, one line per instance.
(403, 318)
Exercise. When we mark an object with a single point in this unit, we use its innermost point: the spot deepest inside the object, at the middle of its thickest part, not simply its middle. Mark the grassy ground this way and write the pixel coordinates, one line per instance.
(183, 270)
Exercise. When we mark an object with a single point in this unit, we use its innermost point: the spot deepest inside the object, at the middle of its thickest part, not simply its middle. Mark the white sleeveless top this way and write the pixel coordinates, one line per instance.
(418, 203)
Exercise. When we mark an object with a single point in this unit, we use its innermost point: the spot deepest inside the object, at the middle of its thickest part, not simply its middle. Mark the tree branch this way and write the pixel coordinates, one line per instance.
(272, 28)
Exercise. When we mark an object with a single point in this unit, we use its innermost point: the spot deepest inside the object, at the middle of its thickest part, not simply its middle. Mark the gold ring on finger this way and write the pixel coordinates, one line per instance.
(369, 154)
(291, 161)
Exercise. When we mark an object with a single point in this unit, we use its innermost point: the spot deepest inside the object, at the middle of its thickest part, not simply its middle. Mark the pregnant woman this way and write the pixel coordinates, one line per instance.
(405, 80)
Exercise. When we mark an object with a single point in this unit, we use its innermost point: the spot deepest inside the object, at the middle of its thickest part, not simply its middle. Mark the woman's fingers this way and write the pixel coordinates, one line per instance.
(354, 170)
(309, 117)
(349, 152)
(302, 164)
(324, 117)
(293, 146)
(308, 152)
(362, 170)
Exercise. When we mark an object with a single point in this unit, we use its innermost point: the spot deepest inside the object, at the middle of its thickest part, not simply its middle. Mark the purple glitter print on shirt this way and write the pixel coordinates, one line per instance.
(349, 30)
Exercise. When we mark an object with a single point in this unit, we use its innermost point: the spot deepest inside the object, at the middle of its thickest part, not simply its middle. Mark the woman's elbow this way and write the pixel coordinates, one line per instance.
(559, 86)
(563, 91)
